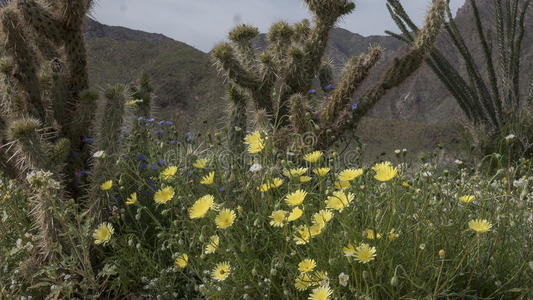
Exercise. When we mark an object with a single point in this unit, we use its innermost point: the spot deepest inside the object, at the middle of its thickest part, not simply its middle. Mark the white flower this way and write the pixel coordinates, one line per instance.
(99, 154)
(343, 279)
(458, 162)
(510, 137)
(256, 168)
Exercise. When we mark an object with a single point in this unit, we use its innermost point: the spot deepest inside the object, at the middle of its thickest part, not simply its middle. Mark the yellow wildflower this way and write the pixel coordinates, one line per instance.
(304, 179)
(313, 157)
(307, 265)
(364, 253)
(350, 174)
(182, 260)
(221, 271)
(339, 200)
(201, 206)
(295, 214)
(103, 233)
(200, 163)
(466, 198)
(278, 217)
(320, 293)
(302, 235)
(132, 199)
(164, 195)
(225, 218)
(213, 244)
(385, 171)
(169, 172)
(322, 172)
(208, 179)
(106, 186)
(296, 198)
(480, 226)
(255, 142)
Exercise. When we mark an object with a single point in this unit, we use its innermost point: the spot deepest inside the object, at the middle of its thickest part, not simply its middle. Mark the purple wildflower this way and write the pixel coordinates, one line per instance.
(355, 105)
(88, 140)
(329, 87)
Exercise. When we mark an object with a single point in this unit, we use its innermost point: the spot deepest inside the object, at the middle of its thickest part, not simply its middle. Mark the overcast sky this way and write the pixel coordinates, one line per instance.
(203, 23)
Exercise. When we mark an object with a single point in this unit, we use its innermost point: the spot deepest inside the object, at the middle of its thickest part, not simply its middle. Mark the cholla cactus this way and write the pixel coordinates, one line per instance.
(48, 118)
(279, 79)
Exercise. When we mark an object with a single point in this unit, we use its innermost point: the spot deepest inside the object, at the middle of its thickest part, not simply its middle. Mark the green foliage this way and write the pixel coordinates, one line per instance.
(293, 60)
(493, 102)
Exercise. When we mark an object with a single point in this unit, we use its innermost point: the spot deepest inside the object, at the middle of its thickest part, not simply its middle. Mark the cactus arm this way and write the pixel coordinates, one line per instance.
(298, 114)
(224, 55)
(41, 20)
(34, 151)
(108, 127)
(243, 37)
(488, 59)
(238, 118)
(518, 47)
(355, 72)
(325, 75)
(25, 72)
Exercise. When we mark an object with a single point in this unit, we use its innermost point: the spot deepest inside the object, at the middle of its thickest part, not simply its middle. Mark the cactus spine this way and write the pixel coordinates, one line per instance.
(279, 79)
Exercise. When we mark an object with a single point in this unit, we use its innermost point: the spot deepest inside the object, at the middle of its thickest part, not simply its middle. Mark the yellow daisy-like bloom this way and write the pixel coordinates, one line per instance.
(225, 218)
(350, 174)
(132, 199)
(466, 198)
(169, 172)
(103, 233)
(339, 201)
(307, 265)
(371, 235)
(302, 235)
(302, 282)
(322, 172)
(342, 185)
(278, 218)
(221, 271)
(265, 187)
(182, 261)
(320, 293)
(316, 229)
(208, 179)
(364, 253)
(295, 172)
(318, 277)
(322, 217)
(349, 250)
(405, 184)
(213, 244)
(295, 214)
(304, 179)
(131, 103)
(200, 163)
(276, 183)
(106, 186)
(296, 198)
(480, 226)
(385, 171)
(255, 142)
(163, 195)
(313, 157)
(393, 235)
(201, 206)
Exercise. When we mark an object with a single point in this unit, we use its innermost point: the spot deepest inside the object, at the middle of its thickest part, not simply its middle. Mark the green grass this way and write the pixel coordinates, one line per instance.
(434, 254)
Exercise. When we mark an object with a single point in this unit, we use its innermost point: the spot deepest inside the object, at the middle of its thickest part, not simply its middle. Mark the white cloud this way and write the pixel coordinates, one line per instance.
(203, 23)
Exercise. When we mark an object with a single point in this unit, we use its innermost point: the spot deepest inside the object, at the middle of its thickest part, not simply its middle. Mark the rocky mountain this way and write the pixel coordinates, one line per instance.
(189, 89)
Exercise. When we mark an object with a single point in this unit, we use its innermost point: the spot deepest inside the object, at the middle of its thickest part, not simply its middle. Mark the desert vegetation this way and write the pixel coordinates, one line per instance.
(100, 198)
